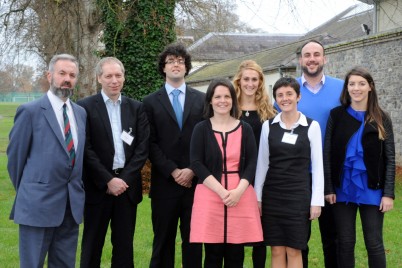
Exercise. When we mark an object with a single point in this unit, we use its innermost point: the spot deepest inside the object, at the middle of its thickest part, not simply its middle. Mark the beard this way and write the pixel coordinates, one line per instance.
(61, 92)
(313, 74)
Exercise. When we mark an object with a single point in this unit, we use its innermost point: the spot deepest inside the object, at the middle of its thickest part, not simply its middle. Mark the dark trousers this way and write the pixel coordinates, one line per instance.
(326, 223)
(372, 223)
(224, 255)
(259, 255)
(58, 243)
(166, 214)
(121, 213)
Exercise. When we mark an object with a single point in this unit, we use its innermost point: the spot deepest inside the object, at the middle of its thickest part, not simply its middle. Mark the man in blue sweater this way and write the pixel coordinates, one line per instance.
(320, 93)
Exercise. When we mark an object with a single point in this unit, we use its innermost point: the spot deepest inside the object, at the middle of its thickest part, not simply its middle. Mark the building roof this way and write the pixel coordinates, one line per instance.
(222, 46)
(345, 26)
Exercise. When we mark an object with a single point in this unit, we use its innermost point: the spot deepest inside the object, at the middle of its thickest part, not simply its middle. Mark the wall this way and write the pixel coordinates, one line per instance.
(382, 55)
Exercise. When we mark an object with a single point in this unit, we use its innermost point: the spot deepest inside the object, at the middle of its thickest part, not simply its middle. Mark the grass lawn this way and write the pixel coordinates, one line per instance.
(143, 234)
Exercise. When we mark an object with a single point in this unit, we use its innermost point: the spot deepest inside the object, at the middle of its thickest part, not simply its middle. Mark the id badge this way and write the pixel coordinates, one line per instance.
(127, 137)
(289, 138)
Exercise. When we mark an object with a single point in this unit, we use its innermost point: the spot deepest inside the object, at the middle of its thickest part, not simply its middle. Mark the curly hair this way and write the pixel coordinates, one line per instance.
(265, 109)
(177, 50)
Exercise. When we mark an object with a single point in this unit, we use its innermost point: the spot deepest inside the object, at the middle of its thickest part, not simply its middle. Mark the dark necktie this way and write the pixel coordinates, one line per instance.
(68, 136)
(177, 107)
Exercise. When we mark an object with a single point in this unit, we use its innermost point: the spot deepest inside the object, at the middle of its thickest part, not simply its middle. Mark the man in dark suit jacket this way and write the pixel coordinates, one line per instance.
(115, 152)
(172, 179)
(46, 172)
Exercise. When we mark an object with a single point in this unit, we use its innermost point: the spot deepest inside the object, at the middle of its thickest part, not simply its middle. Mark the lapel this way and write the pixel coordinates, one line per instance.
(50, 116)
(124, 116)
(80, 126)
(100, 106)
(188, 103)
(166, 104)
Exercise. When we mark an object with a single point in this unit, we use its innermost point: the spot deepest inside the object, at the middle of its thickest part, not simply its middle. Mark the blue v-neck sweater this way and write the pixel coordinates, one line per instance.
(317, 106)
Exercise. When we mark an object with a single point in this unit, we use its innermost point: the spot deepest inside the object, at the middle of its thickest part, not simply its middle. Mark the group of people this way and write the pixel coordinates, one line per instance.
(228, 167)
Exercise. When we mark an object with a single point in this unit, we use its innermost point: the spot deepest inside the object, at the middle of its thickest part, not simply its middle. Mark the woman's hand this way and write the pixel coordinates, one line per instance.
(330, 198)
(315, 212)
(232, 198)
(387, 203)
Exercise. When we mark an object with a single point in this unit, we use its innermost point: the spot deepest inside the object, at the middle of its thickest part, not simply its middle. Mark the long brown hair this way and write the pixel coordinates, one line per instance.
(374, 111)
(265, 109)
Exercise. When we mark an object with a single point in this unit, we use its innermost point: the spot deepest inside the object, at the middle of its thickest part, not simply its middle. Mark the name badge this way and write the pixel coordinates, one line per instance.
(127, 137)
(289, 138)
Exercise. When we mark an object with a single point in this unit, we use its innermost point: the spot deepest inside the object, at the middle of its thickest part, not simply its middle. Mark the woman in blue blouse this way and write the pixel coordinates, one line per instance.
(359, 164)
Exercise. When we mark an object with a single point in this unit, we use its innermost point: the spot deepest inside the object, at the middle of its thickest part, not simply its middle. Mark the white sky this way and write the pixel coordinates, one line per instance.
(290, 16)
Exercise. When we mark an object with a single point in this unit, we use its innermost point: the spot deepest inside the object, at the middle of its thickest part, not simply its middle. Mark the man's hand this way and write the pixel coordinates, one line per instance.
(116, 186)
(183, 177)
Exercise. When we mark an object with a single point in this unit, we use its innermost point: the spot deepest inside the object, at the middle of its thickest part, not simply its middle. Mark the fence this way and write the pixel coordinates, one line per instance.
(19, 97)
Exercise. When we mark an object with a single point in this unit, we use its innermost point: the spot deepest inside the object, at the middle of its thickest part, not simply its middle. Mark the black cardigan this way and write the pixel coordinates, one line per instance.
(378, 155)
(206, 156)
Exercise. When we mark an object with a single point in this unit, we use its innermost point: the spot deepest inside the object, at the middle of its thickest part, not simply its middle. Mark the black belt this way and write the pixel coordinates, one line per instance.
(117, 171)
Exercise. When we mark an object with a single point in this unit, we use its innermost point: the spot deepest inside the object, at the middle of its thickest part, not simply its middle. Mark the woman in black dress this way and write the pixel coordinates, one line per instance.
(287, 195)
(256, 107)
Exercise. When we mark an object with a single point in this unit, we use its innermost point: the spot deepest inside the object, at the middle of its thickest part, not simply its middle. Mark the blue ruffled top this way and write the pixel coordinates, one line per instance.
(354, 187)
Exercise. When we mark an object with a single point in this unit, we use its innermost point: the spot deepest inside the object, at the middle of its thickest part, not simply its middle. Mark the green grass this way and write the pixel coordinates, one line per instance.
(143, 234)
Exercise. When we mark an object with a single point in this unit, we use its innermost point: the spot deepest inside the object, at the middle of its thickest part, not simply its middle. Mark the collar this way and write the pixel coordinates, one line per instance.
(302, 120)
(57, 102)
(304, 81)
(106, 98)
(169, 88)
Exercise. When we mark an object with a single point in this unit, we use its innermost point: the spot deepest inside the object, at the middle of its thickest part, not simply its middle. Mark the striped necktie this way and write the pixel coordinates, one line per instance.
(68, 136)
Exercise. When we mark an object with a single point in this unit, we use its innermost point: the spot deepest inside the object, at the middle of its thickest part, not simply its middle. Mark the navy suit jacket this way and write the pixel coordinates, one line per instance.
(39, 167)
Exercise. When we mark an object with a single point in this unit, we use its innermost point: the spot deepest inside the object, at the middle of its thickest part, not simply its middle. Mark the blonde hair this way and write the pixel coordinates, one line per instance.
(265, 109)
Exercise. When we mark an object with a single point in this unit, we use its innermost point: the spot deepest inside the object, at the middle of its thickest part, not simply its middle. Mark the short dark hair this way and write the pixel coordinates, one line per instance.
(208, 111)
(299, 51)
(286, 82)
(175, 49)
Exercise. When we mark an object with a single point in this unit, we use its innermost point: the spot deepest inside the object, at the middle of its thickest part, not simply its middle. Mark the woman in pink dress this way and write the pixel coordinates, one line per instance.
(223, 156)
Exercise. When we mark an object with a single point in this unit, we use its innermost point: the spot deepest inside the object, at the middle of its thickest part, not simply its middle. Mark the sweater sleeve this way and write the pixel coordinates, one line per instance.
(198, 148)
(250, 154)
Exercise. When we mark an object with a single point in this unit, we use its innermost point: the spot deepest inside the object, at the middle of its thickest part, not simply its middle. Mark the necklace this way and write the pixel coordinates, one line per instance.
(247, 113)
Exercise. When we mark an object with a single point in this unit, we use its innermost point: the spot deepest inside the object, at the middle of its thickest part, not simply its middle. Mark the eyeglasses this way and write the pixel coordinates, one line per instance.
(180, 62)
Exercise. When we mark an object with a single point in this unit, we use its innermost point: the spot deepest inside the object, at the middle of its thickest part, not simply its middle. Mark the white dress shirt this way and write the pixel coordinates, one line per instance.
(57, 105)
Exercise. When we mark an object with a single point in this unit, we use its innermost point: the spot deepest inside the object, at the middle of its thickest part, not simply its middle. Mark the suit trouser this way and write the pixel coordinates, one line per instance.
(59, 243)
(166, 214)
(326, 223)
(121, 213)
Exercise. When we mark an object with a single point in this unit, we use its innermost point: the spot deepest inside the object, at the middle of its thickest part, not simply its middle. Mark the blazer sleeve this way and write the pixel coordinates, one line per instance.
(137, 160)
(198, 152)
(19, 143)
(328, 183)
(389, 154)
(249, 154)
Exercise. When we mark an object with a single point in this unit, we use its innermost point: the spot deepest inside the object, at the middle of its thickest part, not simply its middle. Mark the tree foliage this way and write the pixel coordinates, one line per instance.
(136, 32)
(197, 18)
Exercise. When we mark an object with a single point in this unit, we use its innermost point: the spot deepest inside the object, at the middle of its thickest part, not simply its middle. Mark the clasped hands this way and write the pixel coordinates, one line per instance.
(183, 177)
(231, 197)
(116, 186)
